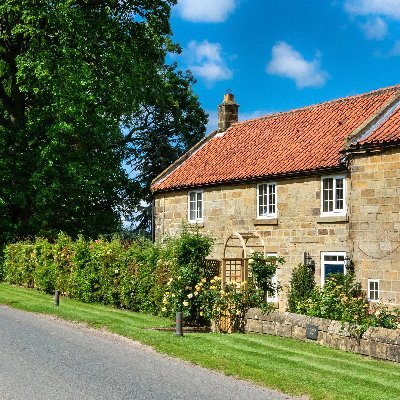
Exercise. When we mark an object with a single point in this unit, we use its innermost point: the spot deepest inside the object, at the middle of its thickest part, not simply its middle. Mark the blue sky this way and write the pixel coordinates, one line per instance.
(277, 55)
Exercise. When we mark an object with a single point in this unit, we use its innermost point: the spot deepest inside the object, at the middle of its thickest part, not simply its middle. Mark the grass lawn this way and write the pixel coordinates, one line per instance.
(288, 365)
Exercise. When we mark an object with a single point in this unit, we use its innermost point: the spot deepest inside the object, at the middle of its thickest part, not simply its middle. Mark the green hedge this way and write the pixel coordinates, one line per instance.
(132, 276)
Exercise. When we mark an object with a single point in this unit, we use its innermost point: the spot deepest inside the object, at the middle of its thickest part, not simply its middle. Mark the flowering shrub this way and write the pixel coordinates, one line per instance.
(342, 299)
(207, 302)
(187, 274)
(226, 307)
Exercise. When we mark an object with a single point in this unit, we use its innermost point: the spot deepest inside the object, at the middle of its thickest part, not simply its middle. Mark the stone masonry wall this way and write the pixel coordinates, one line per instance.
(375, 342)
(374, 221)
(297, 229)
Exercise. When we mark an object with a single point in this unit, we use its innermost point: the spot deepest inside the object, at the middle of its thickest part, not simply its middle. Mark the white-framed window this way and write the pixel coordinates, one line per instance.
(373, 290)
(333, 195)
(274, 281)
(266, 200)
(195, 206)
(332, 263)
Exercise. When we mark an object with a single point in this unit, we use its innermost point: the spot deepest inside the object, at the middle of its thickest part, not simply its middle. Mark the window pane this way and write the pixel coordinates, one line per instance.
(271, 199)
(192, 212)
(262, 200)
(199, 205)
(340, 194)
(331, 258)
(327, 194)
(333, 269)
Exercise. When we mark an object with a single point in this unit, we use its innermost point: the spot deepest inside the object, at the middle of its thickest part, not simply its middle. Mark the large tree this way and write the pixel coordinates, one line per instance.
(72, 74)
(170, 122)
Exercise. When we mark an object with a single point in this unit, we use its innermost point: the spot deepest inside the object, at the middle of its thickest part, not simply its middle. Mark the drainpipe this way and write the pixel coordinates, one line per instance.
(153, 220)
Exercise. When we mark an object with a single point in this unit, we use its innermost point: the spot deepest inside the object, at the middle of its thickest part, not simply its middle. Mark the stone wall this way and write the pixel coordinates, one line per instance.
(298, 227)
(370, 234)
(374, 221)
(375, 342)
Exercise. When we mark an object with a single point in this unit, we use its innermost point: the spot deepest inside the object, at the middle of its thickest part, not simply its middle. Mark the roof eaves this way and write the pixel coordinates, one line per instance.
(371, 147)
(285, 175)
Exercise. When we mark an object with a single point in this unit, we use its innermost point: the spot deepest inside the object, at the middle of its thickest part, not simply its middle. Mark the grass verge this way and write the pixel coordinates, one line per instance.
(287, 365)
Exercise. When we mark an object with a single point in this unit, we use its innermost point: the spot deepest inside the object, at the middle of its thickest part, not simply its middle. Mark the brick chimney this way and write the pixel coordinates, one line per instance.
(227, 112)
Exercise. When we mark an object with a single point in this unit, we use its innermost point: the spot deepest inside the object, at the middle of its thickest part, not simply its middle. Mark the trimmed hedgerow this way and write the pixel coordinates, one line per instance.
(128, 275)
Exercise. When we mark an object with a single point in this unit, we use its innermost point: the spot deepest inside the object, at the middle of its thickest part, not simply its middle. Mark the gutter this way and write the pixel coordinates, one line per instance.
(283, 176)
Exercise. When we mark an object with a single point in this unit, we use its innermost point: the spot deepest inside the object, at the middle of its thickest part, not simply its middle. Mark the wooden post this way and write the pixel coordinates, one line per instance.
(223, 273)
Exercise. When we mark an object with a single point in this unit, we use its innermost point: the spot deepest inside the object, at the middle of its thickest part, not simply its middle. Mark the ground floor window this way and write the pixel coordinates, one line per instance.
(373, 289)
(332, 263)
(195, 205)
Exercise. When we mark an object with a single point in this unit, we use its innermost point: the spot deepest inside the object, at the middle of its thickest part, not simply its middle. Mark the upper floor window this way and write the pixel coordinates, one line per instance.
(333, 195)
(195, 200)
(266, 200)
(332, 263)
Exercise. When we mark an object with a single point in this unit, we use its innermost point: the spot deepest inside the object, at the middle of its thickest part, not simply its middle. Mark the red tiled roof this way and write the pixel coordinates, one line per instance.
(306, 139)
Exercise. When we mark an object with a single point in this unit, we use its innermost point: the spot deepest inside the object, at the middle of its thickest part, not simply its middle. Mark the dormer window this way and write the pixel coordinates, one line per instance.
(266, 200)
(195, 206)
(333, 195)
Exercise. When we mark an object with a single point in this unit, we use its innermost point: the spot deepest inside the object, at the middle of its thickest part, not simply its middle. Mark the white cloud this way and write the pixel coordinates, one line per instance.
(289, 63)
(205, 10)
(395, 51)
(205, 60)
(375, 28)
(386, 8)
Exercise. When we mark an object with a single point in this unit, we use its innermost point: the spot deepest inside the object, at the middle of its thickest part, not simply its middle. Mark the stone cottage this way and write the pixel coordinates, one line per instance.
(317, 185)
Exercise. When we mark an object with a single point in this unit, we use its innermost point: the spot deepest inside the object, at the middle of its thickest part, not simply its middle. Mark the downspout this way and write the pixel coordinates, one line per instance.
(153, 220)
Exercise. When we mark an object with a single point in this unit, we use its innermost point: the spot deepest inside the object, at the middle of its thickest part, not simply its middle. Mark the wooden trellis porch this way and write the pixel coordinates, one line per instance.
(239, 244)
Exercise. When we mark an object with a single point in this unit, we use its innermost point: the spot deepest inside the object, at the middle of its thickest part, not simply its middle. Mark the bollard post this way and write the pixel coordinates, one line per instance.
(57, 298)
(178, 328)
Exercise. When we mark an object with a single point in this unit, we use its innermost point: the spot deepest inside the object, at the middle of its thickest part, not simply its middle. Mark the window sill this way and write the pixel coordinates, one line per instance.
(199, 224)
(266, 221)
(329, 219)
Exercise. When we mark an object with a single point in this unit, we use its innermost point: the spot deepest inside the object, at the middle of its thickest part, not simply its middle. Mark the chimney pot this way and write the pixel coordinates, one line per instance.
(229, 98)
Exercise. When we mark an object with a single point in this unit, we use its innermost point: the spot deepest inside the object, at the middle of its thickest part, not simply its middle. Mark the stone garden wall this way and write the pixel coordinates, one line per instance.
(375, 342)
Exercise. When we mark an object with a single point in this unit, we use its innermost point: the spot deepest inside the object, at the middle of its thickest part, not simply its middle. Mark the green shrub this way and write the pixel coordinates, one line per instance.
(184, 256)
(342, 299)
(142, 287)
(44, 273)
(263, 269)
(19, 264)
(132, 276)
(302, 285)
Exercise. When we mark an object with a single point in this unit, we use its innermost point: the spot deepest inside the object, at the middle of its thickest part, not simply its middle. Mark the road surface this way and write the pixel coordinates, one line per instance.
(45, 358)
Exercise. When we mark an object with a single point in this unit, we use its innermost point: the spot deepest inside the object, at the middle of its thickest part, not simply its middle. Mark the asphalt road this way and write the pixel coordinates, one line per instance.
(45, 358)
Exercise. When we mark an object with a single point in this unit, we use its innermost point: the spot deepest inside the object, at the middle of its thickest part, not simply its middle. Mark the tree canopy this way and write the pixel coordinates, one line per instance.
(84, 90)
